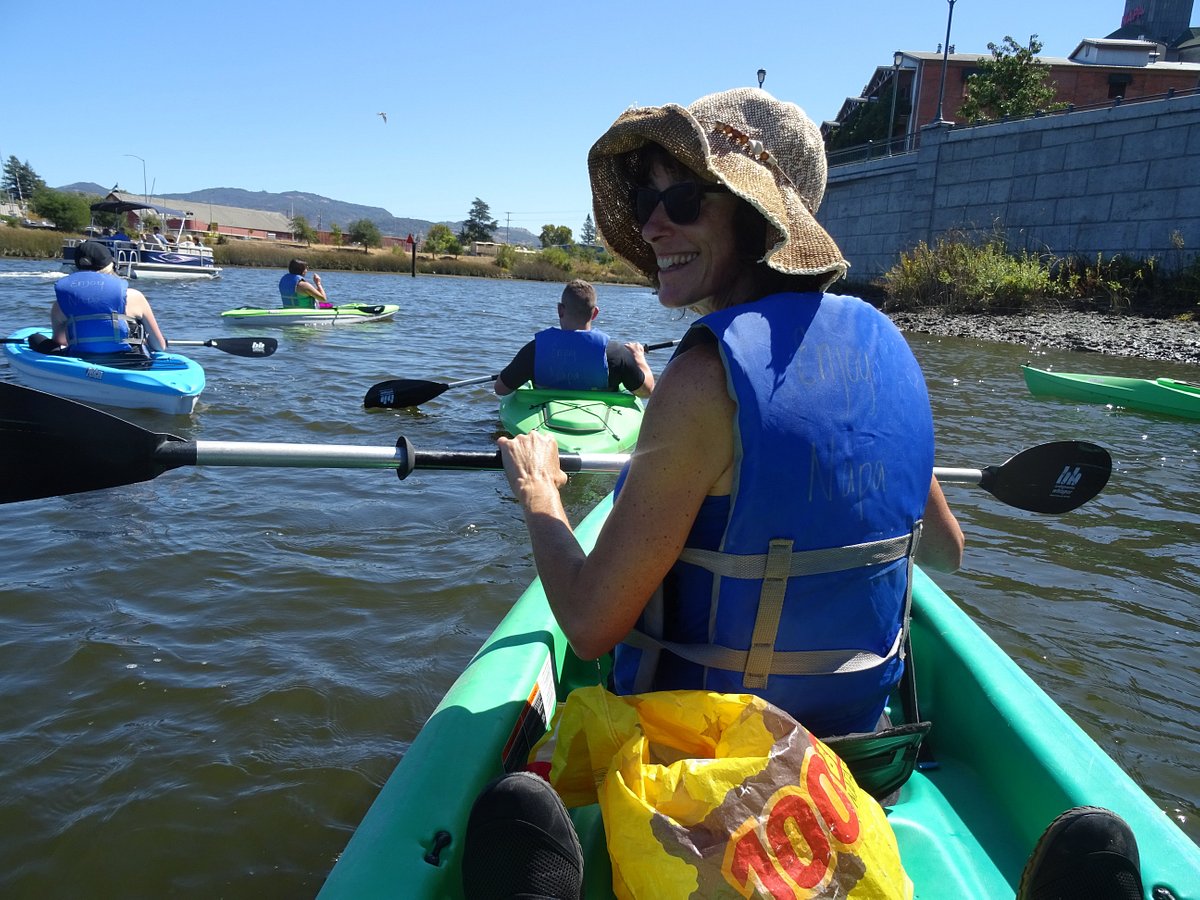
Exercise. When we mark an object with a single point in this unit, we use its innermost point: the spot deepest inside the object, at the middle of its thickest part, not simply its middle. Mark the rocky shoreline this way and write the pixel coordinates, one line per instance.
(1146, 338)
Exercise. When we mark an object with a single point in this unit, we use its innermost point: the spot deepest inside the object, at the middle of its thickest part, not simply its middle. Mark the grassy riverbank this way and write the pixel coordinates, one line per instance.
(954, 276)
(548, 265)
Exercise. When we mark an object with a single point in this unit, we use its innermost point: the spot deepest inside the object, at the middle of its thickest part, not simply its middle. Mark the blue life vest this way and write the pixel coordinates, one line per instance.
(94, 306)
(287, 290)
(796, 587)
(570, 360)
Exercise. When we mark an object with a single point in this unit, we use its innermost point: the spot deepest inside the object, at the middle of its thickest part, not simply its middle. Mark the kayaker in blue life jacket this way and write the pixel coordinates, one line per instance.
(763, 534)
(789, 421)
(577, 357)
(97, 312)
(296, 292)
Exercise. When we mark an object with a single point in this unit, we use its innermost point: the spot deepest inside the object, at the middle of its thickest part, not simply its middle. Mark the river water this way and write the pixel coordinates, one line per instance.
(208, 676)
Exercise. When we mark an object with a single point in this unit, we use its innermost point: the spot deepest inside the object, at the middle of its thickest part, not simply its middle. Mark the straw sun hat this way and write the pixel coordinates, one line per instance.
(764, 150)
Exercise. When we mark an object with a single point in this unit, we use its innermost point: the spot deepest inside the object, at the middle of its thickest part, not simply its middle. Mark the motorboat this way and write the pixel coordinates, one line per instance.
(147, 259)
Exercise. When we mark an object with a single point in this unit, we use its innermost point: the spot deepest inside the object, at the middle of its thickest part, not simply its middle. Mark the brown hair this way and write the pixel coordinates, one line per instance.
(578, 301)
(297, 267)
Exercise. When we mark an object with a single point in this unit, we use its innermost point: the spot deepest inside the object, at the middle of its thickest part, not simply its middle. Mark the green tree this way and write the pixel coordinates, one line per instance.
(441, 241)
(480, 226)
(365, 232)
(1011, 83)
(587, 234)
(302, 230)
(556, 236)
(68, 212)
(20, 180)
(506, 257)
(335, 234)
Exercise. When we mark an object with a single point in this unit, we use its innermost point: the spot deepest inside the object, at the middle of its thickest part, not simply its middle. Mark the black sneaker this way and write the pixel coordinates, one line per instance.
(520, 843)
(1087, 853)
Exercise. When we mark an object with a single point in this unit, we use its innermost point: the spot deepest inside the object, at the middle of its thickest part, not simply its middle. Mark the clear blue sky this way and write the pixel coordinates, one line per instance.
(502, 104)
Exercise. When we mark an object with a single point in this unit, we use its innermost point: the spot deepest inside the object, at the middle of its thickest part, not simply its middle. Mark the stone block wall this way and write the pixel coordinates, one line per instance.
(1118, 180)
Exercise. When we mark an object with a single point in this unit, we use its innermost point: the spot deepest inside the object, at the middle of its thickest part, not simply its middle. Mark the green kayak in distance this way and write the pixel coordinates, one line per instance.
(579, 421)
(1006, 761)
(1159, 395)
(346, 314)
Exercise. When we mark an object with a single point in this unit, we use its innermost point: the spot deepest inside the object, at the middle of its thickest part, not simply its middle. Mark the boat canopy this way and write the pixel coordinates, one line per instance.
(118, 206)
(124, 206)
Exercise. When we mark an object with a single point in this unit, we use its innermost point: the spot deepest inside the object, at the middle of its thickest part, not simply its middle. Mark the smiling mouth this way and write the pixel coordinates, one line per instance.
(674, 261)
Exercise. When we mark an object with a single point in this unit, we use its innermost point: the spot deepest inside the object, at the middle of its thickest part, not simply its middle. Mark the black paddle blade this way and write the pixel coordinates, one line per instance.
(51, 446)
(1050, 478)
(250, 346)
(401, 392)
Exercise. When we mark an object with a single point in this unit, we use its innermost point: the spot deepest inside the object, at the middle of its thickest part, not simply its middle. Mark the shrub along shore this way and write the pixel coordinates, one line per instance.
(956, 288)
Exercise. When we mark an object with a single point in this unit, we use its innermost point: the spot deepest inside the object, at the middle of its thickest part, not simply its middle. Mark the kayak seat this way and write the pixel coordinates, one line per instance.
(883, 761)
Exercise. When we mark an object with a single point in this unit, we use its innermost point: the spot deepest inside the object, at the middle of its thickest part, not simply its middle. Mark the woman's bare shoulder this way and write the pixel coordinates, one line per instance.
(689, 421)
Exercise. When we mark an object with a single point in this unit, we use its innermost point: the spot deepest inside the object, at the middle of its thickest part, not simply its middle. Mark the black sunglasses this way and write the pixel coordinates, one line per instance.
(681, 201)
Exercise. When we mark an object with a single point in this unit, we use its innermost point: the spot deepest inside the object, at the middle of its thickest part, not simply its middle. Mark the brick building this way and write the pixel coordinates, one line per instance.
(1137, 60)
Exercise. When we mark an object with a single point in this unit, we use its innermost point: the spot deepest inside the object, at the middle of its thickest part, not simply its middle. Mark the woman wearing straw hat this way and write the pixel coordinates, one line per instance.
(789, 420)
(763, 533)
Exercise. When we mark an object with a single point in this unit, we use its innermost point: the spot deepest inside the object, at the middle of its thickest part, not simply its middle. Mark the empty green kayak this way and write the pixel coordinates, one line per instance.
(579, 421)
(1159, 395)
(1006, 760)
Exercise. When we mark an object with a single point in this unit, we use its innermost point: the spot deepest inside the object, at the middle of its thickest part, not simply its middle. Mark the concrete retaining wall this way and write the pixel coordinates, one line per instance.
(1121, 180)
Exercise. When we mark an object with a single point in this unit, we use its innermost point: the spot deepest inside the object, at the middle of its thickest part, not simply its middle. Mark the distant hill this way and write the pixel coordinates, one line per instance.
(319, 211)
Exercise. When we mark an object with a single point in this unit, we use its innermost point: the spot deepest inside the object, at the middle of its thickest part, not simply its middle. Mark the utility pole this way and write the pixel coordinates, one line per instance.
(507, 229)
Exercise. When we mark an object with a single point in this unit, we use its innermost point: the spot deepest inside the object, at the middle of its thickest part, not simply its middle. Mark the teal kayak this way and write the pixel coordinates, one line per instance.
(1159, 395)
(1006, 761)
(346, 314)
(579, 421)
(167, 382)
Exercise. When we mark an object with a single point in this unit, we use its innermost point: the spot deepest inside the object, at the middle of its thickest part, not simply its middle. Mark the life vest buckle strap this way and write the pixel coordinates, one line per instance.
(783, 662)
(134, 337)
(770, 610)
(801, 562)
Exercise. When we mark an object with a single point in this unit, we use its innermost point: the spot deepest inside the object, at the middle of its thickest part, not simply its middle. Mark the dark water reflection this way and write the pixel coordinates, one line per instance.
(208, 676)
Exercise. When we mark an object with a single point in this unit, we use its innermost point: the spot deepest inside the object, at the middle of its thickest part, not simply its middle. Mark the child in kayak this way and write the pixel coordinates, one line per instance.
(96, 312)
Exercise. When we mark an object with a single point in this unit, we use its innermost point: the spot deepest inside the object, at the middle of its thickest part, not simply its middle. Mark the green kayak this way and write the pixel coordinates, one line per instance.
(1159, 395)
(346, 314)
(579, 421)
(1008, 760)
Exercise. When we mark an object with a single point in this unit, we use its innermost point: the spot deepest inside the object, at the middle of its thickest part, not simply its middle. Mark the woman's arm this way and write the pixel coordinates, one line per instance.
(684, 452)
(941, 545)
(312, 289)
(138, 307)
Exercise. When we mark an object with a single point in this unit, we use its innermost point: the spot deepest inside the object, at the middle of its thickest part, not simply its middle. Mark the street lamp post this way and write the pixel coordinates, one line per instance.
(762, 76)
(897, 58)
(945, 57)
(145, 193)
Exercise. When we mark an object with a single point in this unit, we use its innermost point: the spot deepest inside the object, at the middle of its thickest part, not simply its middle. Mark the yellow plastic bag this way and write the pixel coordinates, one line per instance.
(719, 795)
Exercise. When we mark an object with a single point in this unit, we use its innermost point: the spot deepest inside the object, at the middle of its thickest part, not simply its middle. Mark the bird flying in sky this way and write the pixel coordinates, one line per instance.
(382, 116)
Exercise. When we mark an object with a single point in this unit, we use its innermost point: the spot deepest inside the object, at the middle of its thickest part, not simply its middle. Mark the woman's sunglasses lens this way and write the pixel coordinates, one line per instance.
(681, 202)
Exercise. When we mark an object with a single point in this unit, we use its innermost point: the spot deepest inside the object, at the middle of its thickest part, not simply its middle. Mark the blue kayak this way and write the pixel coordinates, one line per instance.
(166, 382)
